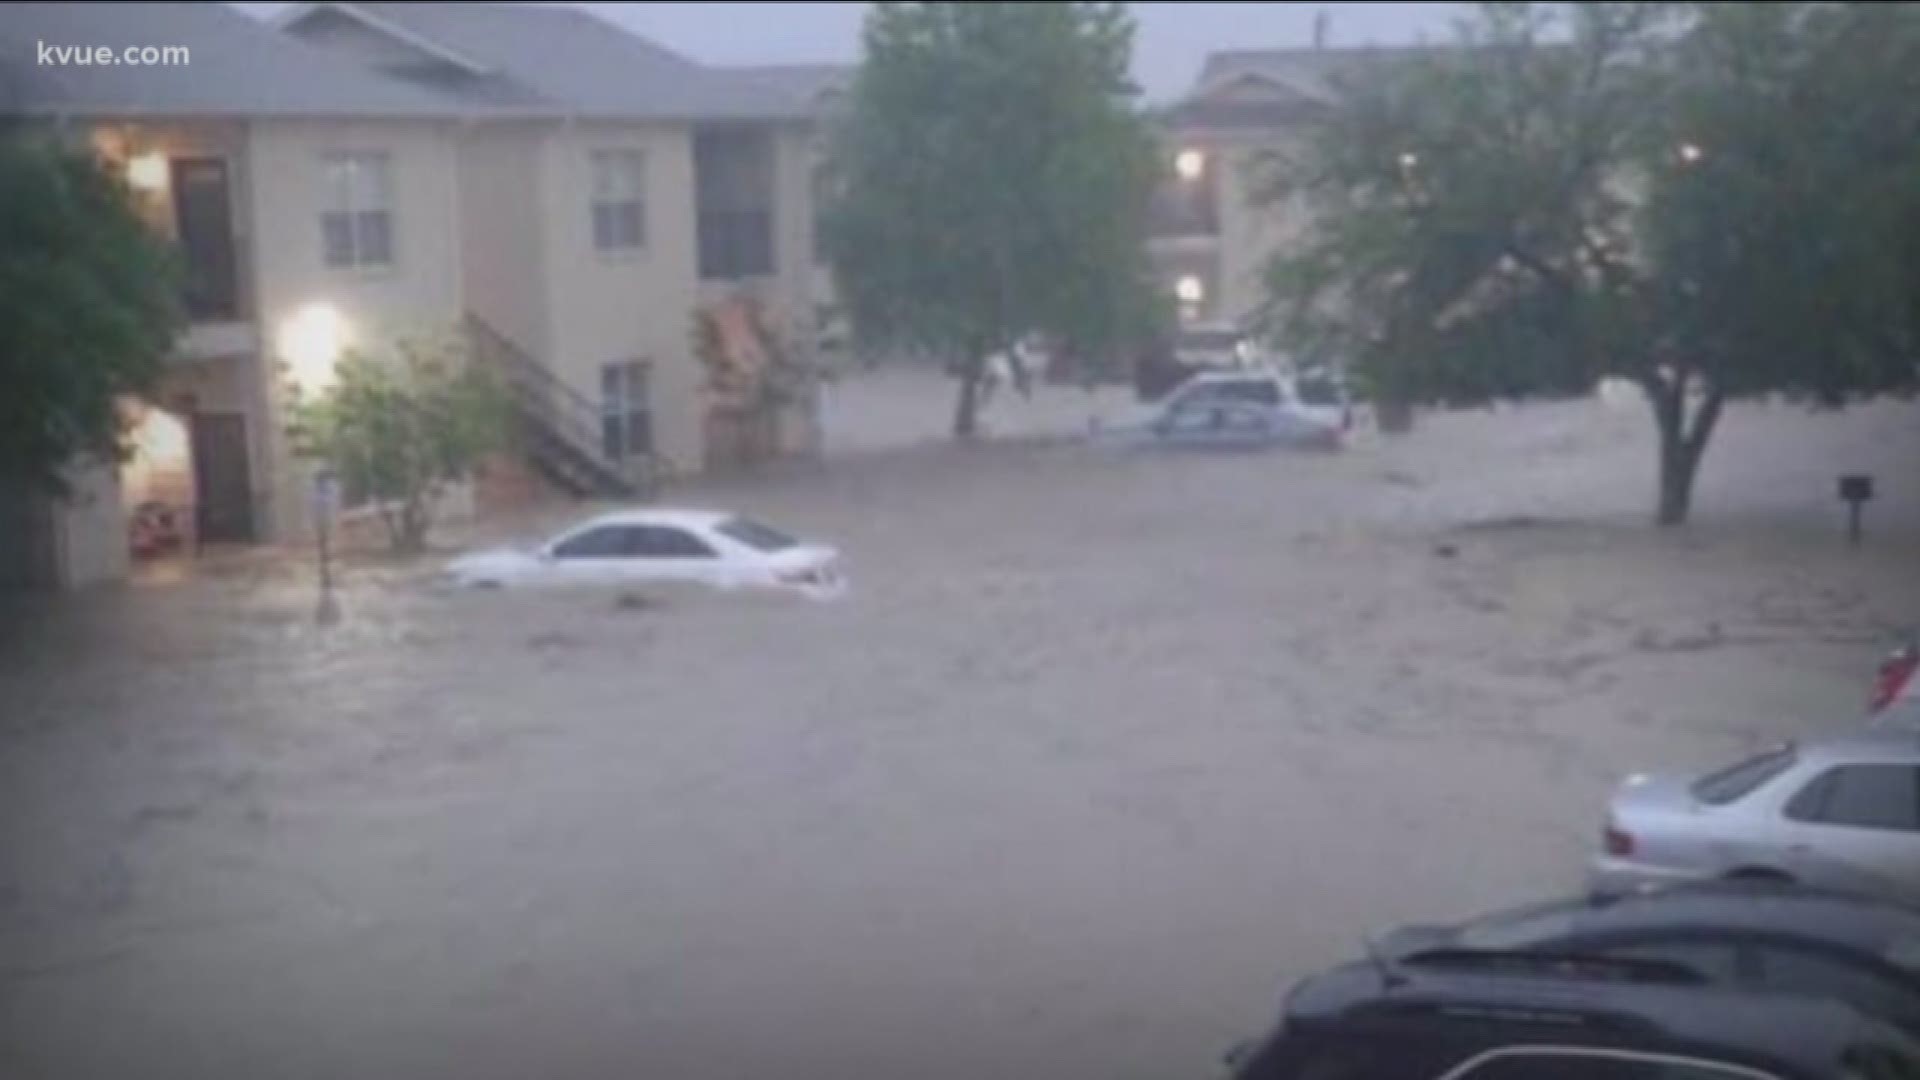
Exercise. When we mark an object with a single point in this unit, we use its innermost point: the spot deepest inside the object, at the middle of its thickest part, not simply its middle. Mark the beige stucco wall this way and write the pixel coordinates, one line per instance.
(419, 294)
(119, 141)
(503, 250)
(1233, 262)
(795, 158)
(608, 307)
(1250, 232)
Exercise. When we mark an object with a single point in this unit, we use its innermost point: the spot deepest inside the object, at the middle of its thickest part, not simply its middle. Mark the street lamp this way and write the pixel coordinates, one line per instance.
(1690, 153)
(1189, 290)
(1189, 164)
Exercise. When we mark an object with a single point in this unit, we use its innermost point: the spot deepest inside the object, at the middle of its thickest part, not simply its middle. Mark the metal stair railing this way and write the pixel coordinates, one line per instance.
(553, 408)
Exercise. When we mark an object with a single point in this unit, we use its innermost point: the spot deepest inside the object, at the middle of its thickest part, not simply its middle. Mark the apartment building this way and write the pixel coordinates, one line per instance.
(563, 193)
(609, 190)
(1216, 220)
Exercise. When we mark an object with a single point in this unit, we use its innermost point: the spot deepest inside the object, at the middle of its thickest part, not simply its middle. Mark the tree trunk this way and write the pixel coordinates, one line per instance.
(1683, 442)
(410, 538)
(1394, 415)
(966, 407)
(1677, 470)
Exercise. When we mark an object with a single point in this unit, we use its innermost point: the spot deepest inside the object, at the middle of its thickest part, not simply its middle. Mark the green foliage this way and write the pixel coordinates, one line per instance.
(88, 308)
(1711, 200)
(396, 428)
(990, 179)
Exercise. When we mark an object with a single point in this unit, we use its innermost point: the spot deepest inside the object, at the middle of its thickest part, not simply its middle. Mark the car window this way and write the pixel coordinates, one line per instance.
(1198, 394)
(1252, 391)
(1871, 796)
(755, 535)
(603, 542)
(666, 542)
(1543, 1063)
(1737, 780)
(1245, 418)
(1803, 970)
(1205, 415)
(1717, 961)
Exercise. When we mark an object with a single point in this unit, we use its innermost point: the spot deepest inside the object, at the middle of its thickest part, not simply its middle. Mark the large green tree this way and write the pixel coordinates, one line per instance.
(1709, 200)
(88, 308)
(989, 178)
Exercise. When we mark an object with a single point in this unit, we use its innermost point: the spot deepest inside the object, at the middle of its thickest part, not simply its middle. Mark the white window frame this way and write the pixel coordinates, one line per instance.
(351, 199)
(1464, 1070)
(607, 167)
(623, 408)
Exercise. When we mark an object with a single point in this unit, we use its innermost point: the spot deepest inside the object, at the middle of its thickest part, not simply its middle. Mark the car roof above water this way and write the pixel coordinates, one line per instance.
(1806, 1034)
(677, 517)
(1883, 927)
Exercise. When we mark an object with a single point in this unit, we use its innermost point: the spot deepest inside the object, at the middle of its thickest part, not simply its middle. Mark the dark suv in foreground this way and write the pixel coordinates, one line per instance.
(1466, 1014)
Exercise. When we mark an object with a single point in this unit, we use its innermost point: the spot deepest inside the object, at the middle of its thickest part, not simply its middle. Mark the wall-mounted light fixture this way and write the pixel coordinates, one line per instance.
(310, 341)
(147, 172)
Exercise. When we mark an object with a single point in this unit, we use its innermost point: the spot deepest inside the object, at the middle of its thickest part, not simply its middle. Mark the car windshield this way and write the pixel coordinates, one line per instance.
(1736, 781)
(757, 536)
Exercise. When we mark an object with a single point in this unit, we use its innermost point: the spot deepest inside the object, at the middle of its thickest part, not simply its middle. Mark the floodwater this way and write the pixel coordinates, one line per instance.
(1102, 749)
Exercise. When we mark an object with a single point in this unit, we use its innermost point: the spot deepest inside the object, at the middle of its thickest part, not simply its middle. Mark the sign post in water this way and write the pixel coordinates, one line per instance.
(326, 506)
(1856, 491)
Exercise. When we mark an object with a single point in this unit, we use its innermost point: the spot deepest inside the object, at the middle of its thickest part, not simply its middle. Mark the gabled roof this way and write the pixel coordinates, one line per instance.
(557, 58)
(236, 67)
(1309, 71)
(1260, 88)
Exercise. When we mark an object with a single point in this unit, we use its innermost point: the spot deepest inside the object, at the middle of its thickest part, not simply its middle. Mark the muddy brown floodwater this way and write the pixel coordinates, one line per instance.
(1103, 749)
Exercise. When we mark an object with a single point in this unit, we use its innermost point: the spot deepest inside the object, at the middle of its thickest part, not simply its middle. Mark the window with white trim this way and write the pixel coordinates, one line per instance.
(356, 217)
(619, 213)
(626, 409)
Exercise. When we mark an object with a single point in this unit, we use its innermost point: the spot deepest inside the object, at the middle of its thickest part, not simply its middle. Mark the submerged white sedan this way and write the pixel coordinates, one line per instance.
(657, 547)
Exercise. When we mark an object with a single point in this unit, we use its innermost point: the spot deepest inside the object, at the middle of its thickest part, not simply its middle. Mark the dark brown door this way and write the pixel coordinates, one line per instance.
(203, 214)
(222, 484)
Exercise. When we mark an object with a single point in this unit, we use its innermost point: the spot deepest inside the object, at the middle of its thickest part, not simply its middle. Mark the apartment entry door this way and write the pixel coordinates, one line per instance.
(222, 481)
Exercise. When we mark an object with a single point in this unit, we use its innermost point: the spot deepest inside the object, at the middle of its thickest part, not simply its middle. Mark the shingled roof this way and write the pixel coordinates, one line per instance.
(554, 58)
(235, 66)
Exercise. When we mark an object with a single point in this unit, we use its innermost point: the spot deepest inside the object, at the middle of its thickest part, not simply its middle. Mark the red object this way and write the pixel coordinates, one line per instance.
(1894, 676)
(1619, 843)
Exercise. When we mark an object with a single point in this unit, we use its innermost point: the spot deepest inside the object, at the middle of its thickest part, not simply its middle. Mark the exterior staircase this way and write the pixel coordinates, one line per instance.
(559, 428)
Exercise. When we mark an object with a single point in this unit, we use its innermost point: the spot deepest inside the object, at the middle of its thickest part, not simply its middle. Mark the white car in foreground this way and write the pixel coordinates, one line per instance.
(656, 547)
